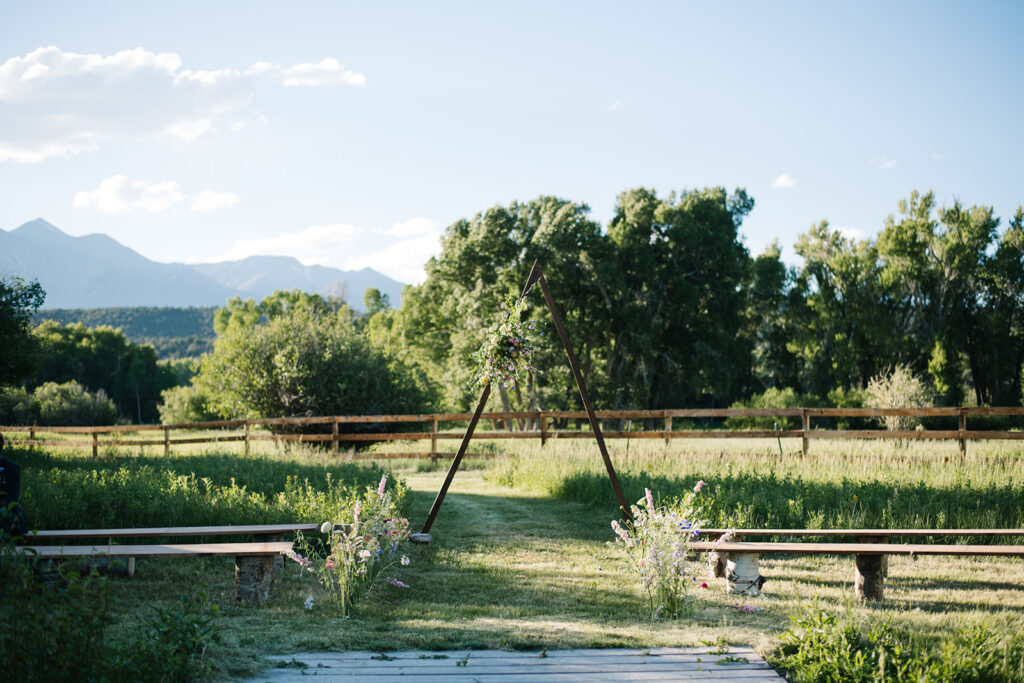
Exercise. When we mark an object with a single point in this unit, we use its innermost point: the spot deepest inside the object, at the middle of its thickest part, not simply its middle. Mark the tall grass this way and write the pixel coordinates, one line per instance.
(70, 489)
(840, 485)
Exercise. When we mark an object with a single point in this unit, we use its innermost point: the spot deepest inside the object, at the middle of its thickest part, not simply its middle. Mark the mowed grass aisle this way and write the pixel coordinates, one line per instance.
(513, 569)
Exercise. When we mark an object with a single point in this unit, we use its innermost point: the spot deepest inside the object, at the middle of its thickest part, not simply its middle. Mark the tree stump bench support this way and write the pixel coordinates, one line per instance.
(254, 562)
(871, 551)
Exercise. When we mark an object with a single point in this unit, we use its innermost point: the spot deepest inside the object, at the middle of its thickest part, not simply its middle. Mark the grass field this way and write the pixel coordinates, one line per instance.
(523, 558)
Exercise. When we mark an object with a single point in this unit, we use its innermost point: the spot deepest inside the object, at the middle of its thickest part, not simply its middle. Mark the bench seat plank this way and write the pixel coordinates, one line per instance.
(176, 531)
(183, 550)
(856, 548)
(865, 532)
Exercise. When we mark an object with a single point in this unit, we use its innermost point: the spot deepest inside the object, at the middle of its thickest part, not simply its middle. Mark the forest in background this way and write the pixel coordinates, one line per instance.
(665, 306)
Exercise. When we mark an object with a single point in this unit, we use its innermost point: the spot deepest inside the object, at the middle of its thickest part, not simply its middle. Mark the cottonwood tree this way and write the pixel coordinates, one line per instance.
(19, 349)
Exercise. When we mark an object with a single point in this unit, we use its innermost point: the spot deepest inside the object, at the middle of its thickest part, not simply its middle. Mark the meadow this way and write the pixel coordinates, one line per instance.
(523, 556)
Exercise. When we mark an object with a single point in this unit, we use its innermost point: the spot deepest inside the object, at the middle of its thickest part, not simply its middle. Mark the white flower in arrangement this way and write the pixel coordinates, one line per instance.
(405, 561)
(326, 527)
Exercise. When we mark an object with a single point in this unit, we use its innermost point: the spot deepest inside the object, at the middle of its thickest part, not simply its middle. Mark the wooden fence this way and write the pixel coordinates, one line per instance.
(534, 425)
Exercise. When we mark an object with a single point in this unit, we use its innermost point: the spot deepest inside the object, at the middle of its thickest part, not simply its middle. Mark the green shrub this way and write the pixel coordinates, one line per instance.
(69, 404)
(772, 398)
(184, 404)
(819, 647)
(17, 407)
(898, 388)
(53, 627)
(309, 362)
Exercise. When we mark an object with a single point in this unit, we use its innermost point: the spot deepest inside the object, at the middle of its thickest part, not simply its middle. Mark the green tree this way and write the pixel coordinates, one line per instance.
(841, 320)
(1004, 315)
(773, 364)
(443, 321)
(375, 301)
(306, 362)
(102, 358)
(246, 313)
(18, 348)
(678, 280)
(936, 262)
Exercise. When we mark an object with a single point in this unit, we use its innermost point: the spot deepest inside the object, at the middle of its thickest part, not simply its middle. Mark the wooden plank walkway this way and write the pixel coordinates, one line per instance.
(739, 665)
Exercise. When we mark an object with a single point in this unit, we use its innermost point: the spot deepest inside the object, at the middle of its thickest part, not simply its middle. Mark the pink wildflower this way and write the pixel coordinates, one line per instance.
(699, 486)
(650, 500)
(396, 582)
(356, 510)
(617, 528)
(383, 483)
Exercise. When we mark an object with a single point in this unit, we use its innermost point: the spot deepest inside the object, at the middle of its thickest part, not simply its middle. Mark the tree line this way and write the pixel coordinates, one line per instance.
(665, 307)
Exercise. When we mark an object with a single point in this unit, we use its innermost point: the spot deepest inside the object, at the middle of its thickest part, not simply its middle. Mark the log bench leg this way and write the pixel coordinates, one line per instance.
(869, 578)
(717, 562)
(743, 574)
(254, 577)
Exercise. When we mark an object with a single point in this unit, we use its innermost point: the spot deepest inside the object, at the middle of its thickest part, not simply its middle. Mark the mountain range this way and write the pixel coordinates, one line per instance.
(96, 271)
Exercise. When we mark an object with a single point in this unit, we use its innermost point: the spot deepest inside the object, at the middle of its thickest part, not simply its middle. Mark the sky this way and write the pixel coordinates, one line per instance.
(351, 134)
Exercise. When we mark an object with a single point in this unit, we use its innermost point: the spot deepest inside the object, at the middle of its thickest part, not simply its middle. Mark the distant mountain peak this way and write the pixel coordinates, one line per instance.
(39, 225)
(97, 271)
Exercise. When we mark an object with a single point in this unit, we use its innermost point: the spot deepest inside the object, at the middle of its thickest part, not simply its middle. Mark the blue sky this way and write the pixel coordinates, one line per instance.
(351, 134)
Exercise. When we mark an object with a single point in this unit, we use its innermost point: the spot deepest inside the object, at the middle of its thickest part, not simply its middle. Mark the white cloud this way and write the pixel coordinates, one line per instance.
(884, 164)
(208, 200)
(614, 105)
(118, 194)
(399, 251)
(319, 245)
(325, 72)
(189, 130)
(403, 260)
(413, 227)
(56, 104)
(784, 181)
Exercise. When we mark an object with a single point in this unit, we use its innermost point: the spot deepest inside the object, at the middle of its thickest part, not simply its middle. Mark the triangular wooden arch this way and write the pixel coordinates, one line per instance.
(536, 277)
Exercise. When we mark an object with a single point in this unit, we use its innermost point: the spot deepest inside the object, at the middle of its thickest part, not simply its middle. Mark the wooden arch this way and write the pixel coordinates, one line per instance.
(536, 278)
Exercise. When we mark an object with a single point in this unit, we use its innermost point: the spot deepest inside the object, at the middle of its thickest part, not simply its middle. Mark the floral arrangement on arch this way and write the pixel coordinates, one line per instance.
(508, 348)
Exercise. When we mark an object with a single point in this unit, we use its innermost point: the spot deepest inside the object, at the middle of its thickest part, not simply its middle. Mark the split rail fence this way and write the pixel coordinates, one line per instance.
(528, 425)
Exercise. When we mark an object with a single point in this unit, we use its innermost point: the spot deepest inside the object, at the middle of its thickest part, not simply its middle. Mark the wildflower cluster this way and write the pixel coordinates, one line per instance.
(656, 546)
(508, 348)
(360, 553)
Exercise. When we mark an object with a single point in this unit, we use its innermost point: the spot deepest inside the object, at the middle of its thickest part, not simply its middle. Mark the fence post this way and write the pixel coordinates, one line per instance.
(32, 433)
(334, 437)
(167, 441)
(246, 437)
(433, 438)
(543, 429)
(805, 421)
(668, 430)
(95, 444)
(962, 427)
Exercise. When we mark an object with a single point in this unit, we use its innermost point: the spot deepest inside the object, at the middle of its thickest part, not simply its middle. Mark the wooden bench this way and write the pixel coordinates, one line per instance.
(870, 550)
(254, 562)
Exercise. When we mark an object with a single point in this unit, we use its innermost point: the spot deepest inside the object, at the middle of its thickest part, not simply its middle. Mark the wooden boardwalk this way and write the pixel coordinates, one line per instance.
(739, 664)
